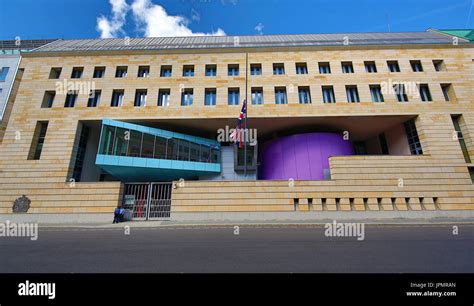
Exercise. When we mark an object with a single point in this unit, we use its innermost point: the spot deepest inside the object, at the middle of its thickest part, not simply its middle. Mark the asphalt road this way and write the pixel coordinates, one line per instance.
(266, 248)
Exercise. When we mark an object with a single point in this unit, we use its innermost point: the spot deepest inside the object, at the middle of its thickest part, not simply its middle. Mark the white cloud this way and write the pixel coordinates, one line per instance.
(111, 27)
(259, 28)
(151, 19)
(154, 21)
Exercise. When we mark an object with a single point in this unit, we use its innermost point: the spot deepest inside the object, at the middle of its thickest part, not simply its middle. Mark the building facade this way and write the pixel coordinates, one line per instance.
(341, 122)
(10, 74)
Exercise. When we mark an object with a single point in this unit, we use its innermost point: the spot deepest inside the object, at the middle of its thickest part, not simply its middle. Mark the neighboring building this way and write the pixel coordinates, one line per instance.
(10, 76)
(467, 34)
(379, 121)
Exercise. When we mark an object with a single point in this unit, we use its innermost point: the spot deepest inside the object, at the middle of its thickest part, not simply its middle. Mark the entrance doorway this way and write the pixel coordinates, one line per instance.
(148, 201)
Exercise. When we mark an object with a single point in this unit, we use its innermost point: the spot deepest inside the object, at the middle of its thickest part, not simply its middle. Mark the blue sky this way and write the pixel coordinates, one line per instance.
(33, 19)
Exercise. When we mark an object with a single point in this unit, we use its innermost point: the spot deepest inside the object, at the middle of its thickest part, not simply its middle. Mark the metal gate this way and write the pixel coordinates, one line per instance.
(148, 201)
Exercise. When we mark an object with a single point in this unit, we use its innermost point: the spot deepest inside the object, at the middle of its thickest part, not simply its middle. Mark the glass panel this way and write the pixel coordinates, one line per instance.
(172, 149)
(183, 150)
(3, 73)
(134, 144)
(205, 154)
(195, 151)
(241, 155)
(160, 147)
(214, 155)
(147, 145)
(106, 145)
(120, 142)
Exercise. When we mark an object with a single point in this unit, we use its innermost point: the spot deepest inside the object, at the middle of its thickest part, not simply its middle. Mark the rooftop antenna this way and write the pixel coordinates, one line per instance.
(387, 16)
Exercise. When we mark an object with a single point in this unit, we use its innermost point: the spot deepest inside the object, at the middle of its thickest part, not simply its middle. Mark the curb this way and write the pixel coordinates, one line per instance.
(164, 224)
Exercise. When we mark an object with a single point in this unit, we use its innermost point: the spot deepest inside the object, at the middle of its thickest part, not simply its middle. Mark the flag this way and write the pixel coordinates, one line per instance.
(238, 133)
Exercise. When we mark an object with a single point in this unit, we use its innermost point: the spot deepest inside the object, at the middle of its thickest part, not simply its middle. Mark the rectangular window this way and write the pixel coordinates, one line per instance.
(143, 71)
(439, 65)
(370, 67)
(448, 92)
(301, 68)
(233, 96)
(425, 93)
(164, 97)
(457, 128)
(304, 95)
(77, 72)
(187, 97)
(413, 140)
(255, 69)
(188, 70)
(328, 94)
(257, 95)
(352, 94)
(278, 69)
(347, 67)
(393, 66)
(117, 98)
(48, 99)
(140, 98)
(416, 66)
(166, 71)
(121, 72)
(210, 96)
(471, 173)
(211, 70)
(38, 140)
(383, 144)
(80, 153)
(324, 68)
(55, 73)
(360, 148)
(4, 73)
(71, 98)
(233, 70)
(98, 72)
(250, 156)
(376, 93)
(400, 92)
(94, 98)
(280, 95)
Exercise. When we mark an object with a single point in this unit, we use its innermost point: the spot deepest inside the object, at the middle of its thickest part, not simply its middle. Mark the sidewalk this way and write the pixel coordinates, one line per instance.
(104, 221)
(267, 223)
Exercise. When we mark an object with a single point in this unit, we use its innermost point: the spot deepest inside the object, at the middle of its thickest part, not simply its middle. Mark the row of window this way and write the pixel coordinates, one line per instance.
(233, 96)
(233, 69)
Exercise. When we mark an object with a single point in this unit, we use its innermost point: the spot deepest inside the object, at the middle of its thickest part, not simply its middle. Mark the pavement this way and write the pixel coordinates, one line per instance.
(266, 247)
(101, 220)
(217, 223)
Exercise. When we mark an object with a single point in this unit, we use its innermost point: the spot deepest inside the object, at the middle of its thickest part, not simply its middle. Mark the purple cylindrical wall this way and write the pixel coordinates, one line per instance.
(301, 156)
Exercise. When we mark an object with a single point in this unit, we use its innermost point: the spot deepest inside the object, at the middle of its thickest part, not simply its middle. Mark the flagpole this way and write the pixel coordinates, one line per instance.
(246, 112)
